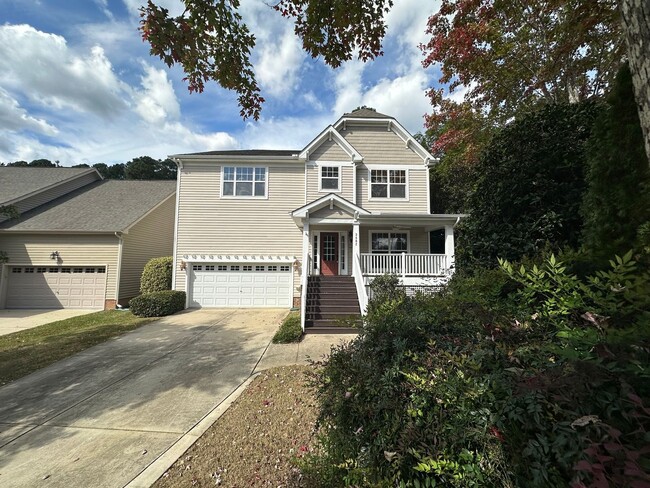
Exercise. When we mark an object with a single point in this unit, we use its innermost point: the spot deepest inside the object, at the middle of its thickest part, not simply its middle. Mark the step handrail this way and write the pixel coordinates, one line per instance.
(360, 284)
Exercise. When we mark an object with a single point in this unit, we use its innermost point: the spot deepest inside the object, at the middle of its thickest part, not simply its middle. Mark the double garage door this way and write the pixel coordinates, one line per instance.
(56, 287)
(229, 285)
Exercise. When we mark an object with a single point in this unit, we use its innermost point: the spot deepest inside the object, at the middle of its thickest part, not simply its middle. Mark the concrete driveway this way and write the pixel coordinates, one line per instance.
(17, 320)
(100, 417)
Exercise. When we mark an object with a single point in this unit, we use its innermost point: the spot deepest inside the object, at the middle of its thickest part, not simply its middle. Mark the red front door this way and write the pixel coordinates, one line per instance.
(329, 253)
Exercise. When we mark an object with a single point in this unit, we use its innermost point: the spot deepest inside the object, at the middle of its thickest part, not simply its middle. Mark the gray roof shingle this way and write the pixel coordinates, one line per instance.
(246, 152)
(366, 113)
(104, 206)
(16, 182)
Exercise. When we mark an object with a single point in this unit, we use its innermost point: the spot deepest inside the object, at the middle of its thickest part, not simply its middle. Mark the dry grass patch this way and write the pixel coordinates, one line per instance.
(257, 440)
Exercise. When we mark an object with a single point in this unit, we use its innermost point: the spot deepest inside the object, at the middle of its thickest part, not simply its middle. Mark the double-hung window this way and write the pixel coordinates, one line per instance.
(330, 178)
(388, 183)
(388, 242)
(242, 181)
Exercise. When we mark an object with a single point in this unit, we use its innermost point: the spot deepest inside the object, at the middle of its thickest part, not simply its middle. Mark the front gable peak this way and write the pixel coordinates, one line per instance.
(330, 200)
(330, 134)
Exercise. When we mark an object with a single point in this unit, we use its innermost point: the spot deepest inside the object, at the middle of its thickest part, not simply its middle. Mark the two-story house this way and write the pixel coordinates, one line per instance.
(309, 228)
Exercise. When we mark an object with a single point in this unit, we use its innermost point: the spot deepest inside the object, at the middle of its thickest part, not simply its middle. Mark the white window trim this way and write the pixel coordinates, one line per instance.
(379, 231)
(348, 264)
(250, 197)
(320, 177)
(407, 198)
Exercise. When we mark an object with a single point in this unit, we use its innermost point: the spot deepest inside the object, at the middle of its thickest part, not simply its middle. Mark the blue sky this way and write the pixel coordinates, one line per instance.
(77, 84)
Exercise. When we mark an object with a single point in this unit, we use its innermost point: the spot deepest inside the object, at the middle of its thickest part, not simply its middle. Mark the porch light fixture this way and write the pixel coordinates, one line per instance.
(55, 255)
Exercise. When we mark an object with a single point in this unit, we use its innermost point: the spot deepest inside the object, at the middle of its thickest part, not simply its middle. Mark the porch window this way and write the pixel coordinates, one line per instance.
(330, 178)
(388, 183)
(244, 182)
(389, 242)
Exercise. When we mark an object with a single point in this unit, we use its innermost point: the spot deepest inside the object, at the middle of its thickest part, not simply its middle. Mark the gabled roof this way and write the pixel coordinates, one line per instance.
(244, 152)
(367, 118)
(17, 183)
(366, 113)
(103, 206)
(330, 133)
(329, 199)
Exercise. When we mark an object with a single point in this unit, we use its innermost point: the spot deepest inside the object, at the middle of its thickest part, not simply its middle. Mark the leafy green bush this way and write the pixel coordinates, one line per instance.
(508, 378)
(157, 275)
(530, 186)
(157, 303)
(289, 331)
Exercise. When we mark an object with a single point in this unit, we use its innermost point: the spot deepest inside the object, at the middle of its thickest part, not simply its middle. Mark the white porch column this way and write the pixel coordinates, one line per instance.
(305, 247)
(449, 246)
(356, 248)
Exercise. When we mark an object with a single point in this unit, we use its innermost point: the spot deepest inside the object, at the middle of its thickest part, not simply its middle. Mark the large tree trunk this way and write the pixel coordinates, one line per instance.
(636, 25)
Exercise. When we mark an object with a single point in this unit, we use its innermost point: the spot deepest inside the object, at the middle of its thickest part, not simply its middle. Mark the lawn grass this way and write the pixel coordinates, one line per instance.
(24, 352)
(290, 330)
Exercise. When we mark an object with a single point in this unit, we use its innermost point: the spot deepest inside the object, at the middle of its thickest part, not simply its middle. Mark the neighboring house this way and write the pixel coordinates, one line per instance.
(80, 241)
(257, 228)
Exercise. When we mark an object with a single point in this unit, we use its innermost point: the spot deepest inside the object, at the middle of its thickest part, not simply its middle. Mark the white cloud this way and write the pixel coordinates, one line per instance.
(156, 102)
(348, 86)
(55, 75)
(14, 118)
(278, 63)
(103, 6)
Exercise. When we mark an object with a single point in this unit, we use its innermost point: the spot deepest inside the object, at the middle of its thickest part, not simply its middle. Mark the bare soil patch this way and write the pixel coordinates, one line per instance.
(257, 440)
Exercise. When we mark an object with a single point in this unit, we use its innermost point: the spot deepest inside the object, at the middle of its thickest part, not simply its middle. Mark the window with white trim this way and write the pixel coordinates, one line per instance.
(387, 183)
(330, 178)
(244, 182)
(388, 242)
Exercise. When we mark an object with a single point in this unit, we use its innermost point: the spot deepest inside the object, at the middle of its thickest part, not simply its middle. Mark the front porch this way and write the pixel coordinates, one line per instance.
(341, 239)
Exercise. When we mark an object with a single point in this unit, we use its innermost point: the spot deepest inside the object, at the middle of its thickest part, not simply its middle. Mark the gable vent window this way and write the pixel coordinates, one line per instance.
(388, 183)
(244, 182)
(330, 178)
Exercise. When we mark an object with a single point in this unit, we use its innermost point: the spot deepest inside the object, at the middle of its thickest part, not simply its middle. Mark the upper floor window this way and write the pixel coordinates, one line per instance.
(330, 178)
(388, 183)
(240, 181)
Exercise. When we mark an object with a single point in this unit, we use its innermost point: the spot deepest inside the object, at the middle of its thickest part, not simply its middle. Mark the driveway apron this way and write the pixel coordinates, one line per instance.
(99, 418)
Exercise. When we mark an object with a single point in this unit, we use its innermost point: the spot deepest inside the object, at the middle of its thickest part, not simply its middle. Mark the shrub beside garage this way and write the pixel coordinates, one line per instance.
(157, 275)
(158, 303)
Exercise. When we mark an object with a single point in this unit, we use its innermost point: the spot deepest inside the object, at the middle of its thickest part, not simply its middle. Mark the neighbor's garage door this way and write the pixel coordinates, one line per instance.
(56, 287)
(229, 285)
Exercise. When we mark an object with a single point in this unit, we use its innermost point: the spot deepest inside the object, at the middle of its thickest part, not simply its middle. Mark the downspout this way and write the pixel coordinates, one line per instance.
(179, 167)
(120, 238)
(354, 182)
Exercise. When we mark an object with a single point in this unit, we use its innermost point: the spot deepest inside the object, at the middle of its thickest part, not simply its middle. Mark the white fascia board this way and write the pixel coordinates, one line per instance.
(233, 158)
(326, 200)
(331, 132)
(399, 129)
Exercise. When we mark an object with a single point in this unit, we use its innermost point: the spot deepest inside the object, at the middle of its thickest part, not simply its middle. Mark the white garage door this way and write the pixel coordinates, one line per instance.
(229, 285)
(56, 287)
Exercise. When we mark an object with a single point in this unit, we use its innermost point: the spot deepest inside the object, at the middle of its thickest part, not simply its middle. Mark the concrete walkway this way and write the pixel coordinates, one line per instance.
(117, 413)
(17, 320)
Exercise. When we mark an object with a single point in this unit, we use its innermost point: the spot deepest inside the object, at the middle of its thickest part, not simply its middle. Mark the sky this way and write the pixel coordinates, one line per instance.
(77, 84)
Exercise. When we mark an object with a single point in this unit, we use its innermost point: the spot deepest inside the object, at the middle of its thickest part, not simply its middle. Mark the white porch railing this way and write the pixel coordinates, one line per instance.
(404, 264)
(360, 284)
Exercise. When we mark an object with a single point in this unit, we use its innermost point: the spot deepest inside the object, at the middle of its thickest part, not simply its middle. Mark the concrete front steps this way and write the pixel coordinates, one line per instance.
(331, 302)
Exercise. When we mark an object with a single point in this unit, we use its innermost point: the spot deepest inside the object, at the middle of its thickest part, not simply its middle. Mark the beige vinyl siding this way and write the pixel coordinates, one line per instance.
(313, 183)
(378, 145)
(418, 202)
(327, 213)
(418, 238)
(210, 225)
(74, 249)
(152, 237)
(57, 191)
(329, 151)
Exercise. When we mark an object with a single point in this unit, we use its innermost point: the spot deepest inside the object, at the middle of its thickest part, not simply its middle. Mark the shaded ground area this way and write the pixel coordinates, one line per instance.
(100, 417)
(257, 440)
(29, 350)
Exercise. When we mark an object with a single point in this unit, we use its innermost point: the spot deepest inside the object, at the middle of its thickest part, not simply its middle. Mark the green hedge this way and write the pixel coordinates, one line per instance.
(157, 275)
(158, 303)
(289, 331)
